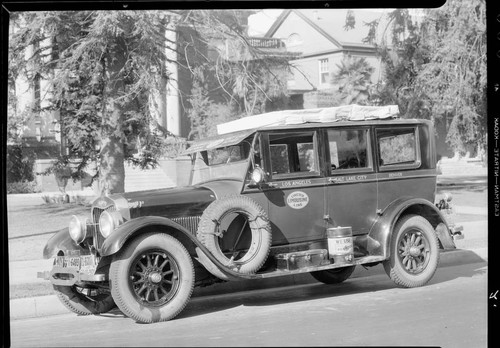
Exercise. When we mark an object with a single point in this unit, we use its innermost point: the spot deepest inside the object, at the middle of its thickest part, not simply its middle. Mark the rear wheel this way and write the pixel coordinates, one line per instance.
(85, 300)
(414, 252)
(152, 278)
(333, 276)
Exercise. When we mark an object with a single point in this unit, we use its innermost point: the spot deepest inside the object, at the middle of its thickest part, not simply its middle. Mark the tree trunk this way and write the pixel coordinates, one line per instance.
(112, 154)
(112, 169)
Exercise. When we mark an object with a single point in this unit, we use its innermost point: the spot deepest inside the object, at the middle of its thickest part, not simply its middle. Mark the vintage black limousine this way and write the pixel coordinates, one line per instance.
(288, 192)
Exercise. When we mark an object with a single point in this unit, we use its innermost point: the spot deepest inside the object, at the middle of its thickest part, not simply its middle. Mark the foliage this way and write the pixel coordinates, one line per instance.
(106, 67)
(103, 68)
(22, 187)
(436, 67)
(249, 80)
(20, 164)
(353, 79)
(204, 113)
(454, 78)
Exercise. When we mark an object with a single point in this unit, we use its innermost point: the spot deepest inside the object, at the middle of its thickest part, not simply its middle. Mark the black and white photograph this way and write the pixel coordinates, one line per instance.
(249, 174)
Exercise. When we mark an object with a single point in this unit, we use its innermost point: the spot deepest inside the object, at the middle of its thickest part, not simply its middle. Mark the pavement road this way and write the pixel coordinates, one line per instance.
(450, 311)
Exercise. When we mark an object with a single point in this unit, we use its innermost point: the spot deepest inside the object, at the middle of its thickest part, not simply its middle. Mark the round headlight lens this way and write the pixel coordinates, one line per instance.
(78, 229)
(258, 175)
(106, 224)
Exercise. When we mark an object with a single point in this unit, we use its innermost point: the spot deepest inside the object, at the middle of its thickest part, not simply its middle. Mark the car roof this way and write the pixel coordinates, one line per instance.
(309, 125)
(305, 118)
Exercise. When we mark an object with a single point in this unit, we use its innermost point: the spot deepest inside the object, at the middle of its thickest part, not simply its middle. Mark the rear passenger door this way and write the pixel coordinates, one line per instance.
(352, 182)
(404, 171)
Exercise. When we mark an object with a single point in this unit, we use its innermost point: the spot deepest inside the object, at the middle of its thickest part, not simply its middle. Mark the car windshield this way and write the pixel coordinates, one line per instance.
(226, 162)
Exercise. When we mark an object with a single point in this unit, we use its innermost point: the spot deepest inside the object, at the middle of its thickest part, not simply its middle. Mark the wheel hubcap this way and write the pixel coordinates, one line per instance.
(413, 251)
(154, 278)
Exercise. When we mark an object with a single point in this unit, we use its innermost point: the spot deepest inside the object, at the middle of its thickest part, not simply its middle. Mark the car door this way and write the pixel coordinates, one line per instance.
(351, 193)
(404, 161)
(295, 192)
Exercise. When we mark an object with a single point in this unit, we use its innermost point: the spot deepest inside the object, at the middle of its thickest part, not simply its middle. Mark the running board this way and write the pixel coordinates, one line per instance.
(225, 273)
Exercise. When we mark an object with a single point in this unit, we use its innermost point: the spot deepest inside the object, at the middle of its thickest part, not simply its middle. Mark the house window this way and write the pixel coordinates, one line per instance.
(324, 71)
(294, 40)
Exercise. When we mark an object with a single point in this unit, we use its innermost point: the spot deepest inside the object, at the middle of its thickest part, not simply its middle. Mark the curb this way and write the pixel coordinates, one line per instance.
(43, 306)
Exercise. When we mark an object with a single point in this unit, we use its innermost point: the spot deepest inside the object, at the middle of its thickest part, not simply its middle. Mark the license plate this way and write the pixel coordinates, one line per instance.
(85, 263)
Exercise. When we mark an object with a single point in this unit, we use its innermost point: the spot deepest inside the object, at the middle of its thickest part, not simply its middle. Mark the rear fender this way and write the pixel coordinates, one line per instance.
(383, 227)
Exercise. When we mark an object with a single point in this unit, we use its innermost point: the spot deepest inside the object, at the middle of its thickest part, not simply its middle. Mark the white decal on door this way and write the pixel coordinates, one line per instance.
(297, 200)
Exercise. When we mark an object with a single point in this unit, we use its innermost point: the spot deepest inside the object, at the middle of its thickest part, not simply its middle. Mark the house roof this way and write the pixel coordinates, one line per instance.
(330, 23)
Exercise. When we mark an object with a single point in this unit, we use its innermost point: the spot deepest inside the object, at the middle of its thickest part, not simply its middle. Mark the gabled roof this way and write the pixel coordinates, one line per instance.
(330, 23)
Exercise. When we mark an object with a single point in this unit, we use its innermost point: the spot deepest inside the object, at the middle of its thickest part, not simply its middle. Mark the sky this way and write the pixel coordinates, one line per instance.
(259, 23)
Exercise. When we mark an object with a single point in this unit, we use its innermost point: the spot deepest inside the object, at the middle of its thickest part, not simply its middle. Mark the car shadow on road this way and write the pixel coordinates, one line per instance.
(373, 283)
(316, 291)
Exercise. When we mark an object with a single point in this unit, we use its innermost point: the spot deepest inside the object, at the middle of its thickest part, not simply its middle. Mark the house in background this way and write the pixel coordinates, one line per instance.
(322, 42)
(320, 38)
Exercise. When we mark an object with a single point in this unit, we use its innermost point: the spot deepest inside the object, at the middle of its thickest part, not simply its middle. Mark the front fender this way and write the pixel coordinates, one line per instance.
(383, 227)
(129, 229)
(124, 232)
(60, 241)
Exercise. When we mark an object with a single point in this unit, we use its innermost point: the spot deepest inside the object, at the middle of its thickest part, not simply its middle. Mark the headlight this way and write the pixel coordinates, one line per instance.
(108, 222)
(258, 175)
(78, 229)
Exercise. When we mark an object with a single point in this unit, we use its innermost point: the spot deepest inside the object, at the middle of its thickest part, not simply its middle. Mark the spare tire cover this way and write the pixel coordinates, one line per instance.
(256, 222)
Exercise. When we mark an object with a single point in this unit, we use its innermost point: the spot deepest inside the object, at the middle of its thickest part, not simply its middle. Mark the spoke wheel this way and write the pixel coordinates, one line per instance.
(414, 252)
(152, 278)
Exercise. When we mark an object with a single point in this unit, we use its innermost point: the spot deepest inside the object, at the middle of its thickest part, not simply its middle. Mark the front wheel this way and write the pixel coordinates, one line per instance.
(152, 278)
(414, 252)
(85, 300)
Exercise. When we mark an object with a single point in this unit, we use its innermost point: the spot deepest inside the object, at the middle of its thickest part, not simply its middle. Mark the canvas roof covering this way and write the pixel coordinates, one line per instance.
(287, 117)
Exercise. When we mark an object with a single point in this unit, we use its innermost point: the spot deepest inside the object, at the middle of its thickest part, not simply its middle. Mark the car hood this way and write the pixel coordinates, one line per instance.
(179, 201)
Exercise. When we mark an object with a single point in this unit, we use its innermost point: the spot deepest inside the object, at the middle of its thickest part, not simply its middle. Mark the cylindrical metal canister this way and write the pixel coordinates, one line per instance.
(340, 245)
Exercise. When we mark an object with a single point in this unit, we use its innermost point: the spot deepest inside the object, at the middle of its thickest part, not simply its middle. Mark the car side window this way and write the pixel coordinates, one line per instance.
(349, 149)
(398, 148)
(293, 152)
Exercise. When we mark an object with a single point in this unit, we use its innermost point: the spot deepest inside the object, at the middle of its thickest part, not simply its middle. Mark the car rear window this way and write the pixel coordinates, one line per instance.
(398, 148)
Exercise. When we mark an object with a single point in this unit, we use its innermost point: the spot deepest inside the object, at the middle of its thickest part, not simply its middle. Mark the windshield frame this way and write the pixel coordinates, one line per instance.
(217, 171)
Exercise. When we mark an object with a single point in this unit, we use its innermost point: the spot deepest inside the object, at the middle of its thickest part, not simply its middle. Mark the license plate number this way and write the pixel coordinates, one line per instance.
(84, 263)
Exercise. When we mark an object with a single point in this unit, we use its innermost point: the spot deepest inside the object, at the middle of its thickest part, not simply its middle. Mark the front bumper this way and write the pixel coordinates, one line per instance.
(69, 276)
(74, 268)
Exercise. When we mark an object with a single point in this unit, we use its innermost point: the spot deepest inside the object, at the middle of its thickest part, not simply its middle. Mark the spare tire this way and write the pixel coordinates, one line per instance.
(237, 232)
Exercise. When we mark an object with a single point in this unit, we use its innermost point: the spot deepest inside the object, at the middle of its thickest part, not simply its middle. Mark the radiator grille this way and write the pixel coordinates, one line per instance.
(96, 212)
(98, 239)
(188, 222)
